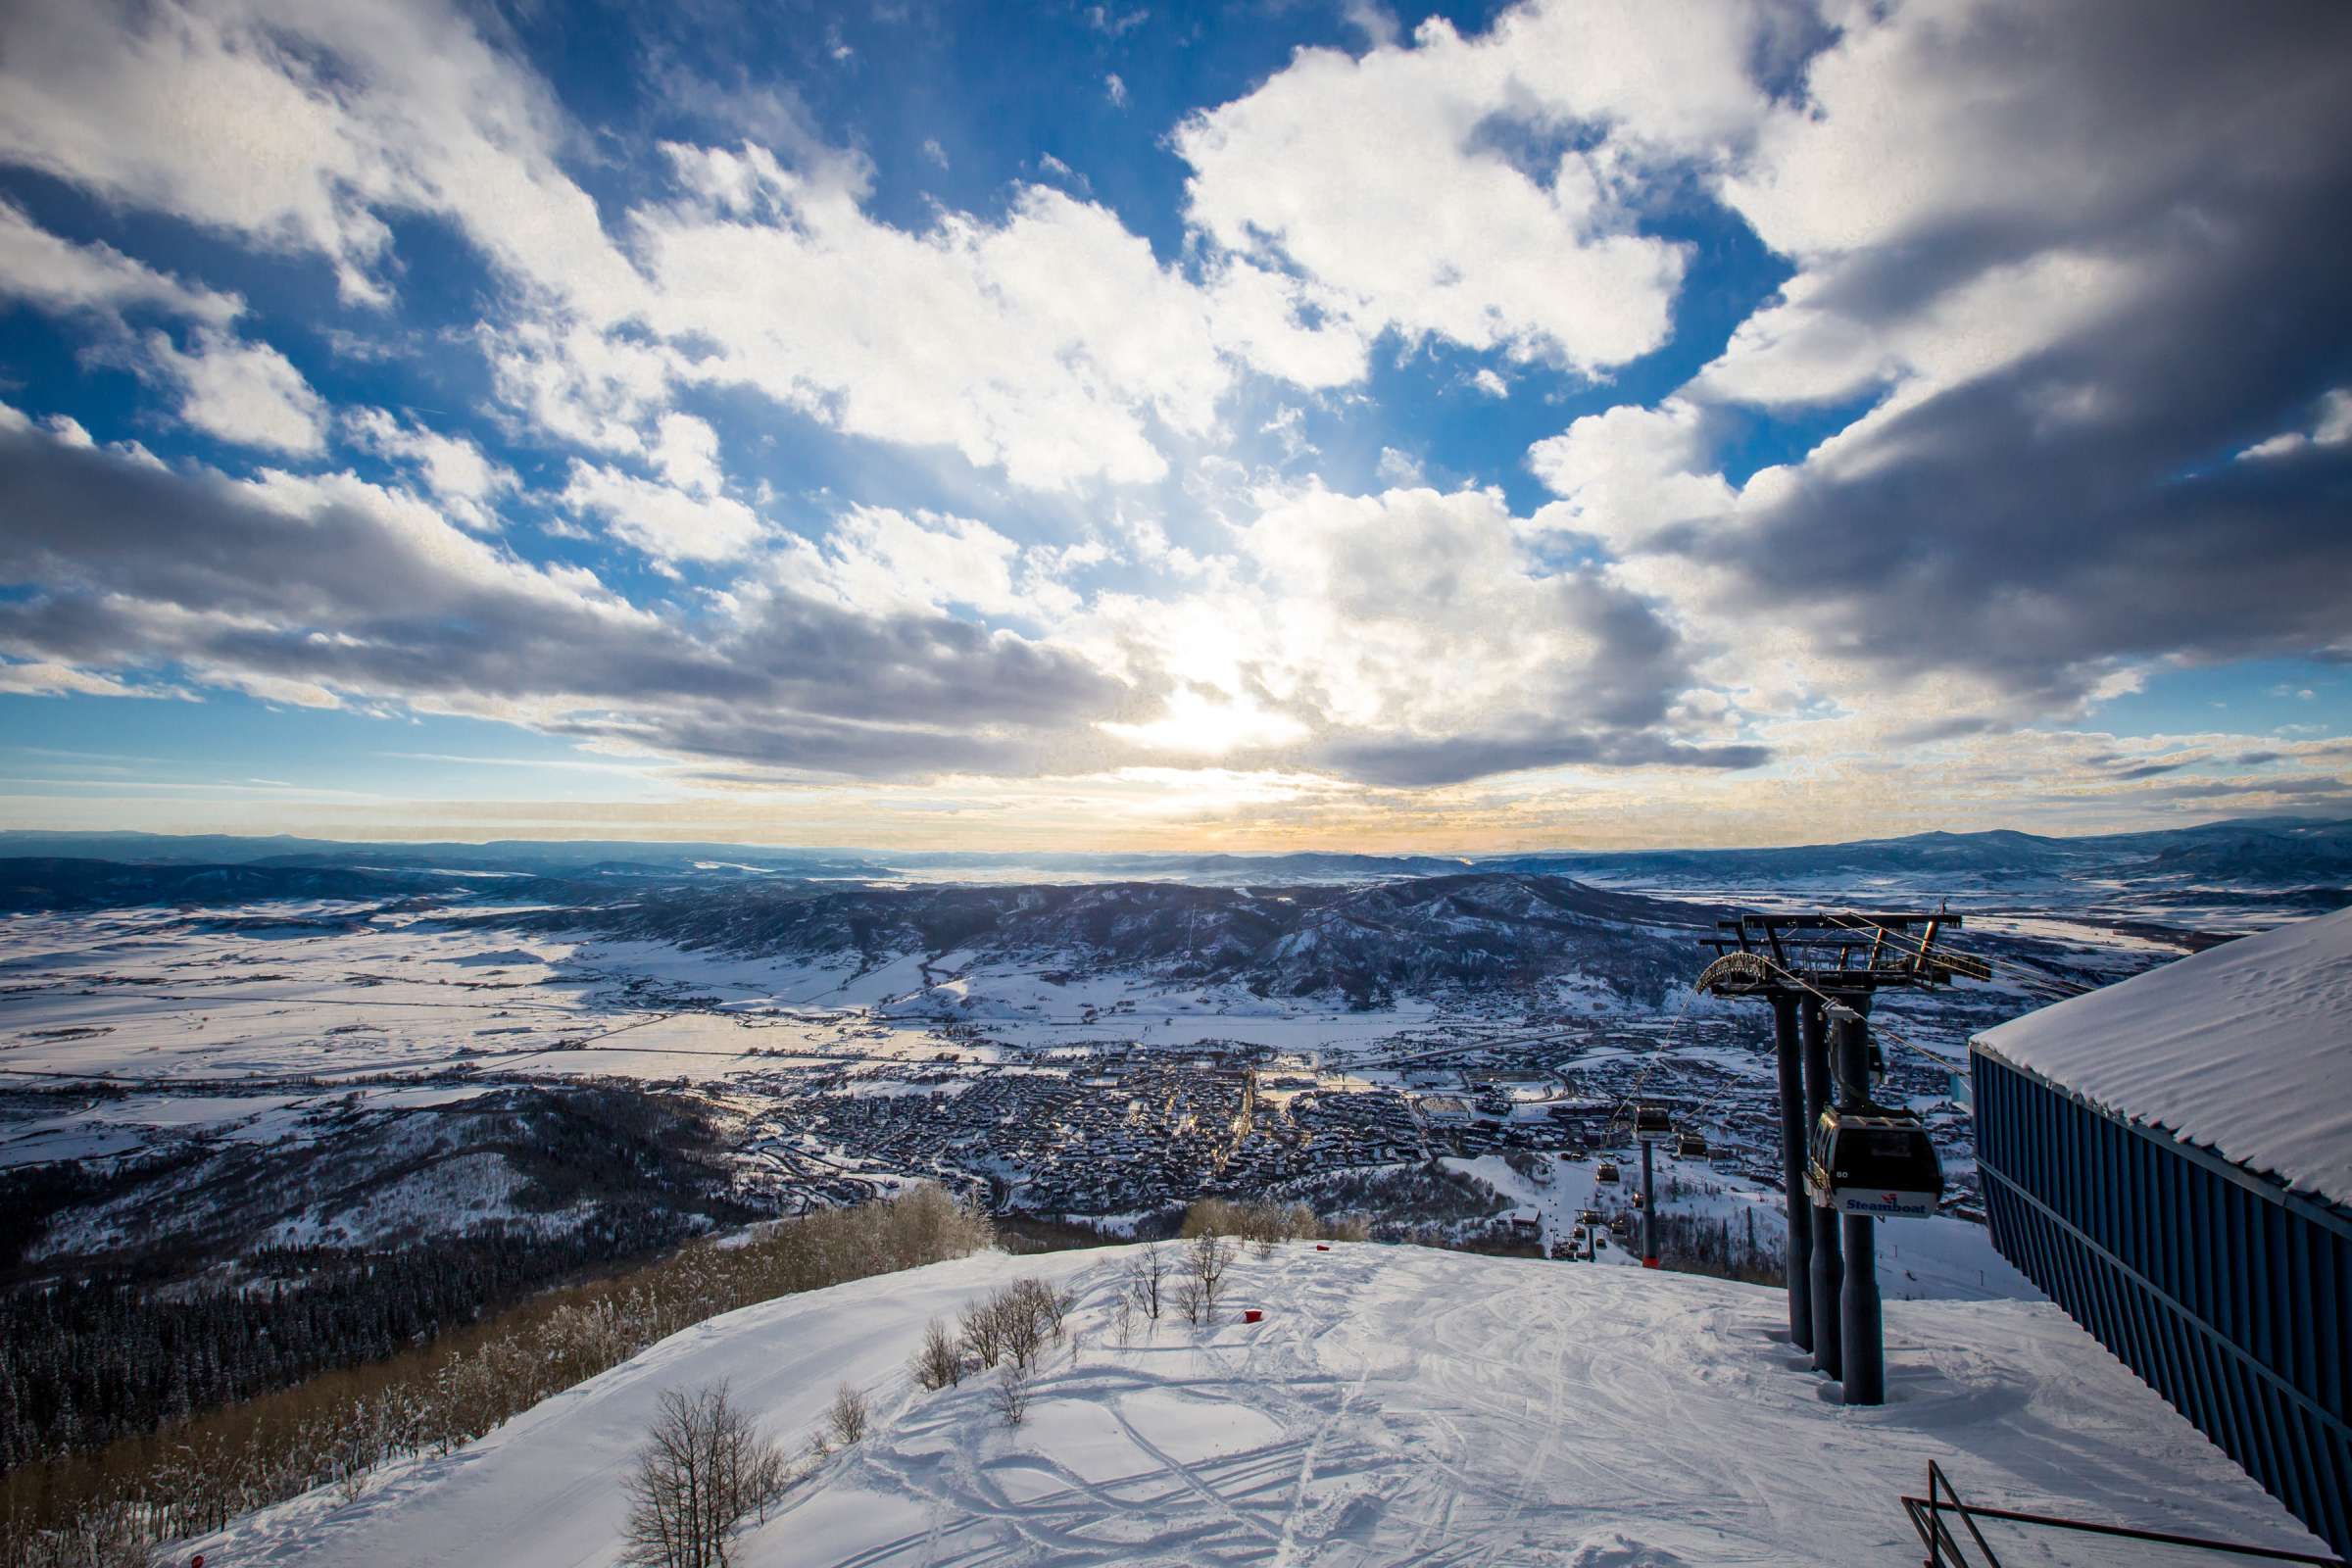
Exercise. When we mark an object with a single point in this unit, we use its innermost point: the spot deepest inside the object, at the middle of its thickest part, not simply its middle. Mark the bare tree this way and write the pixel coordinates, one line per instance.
(703, 1469)
(938, 1363)
(1147, 1277)
(984, 1331)
(1206, 1261)
(1185, 1296)
(848, 1417)
(1262, 1226)
(1011, 1395)
(1014, 1323)
(1022, 1324)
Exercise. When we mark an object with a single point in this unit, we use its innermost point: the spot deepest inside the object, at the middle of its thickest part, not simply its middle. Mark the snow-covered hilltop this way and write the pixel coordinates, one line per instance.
(1396, 1404)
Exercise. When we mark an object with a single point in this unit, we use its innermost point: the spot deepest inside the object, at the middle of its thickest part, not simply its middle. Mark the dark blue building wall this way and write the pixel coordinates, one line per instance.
(2231, 1297)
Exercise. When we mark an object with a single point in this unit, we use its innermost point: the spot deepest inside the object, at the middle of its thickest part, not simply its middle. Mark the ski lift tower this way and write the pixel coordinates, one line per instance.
(1804, 964)
(1652, 1126)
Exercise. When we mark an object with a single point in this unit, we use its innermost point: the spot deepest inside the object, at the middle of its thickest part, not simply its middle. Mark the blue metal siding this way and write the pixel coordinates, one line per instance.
(2223, 1290)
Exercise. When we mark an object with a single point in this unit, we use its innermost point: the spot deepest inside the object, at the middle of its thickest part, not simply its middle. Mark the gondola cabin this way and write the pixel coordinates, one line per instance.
(1868, 1159)
(1607, 1171)
(1651, 1124)
(1691, 1146)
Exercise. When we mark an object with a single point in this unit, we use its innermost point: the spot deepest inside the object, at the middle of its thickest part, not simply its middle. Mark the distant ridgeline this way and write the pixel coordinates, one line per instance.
(2270, 853)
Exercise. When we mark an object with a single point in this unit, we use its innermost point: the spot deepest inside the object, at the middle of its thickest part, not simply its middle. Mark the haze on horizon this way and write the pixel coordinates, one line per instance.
(1255, 426)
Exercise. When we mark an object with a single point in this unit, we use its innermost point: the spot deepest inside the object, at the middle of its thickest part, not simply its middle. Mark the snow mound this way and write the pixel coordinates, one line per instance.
(1395, 1405)
(2244, 1049)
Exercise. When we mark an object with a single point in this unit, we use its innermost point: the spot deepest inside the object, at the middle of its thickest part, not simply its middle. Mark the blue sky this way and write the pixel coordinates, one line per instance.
(1248, 426)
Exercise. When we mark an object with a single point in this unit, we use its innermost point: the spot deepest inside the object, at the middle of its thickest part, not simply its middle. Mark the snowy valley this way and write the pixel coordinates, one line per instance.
(338, 1104)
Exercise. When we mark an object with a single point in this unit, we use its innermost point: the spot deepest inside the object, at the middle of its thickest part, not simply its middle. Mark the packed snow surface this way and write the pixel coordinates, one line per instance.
(1397, 1405)
(2244, 1049)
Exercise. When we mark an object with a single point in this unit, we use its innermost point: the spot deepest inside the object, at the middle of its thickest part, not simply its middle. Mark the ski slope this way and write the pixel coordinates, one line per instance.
(1397, 1406)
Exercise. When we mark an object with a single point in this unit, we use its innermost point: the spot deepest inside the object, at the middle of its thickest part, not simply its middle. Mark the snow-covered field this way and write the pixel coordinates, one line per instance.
(332, 992)
(1397, 1405)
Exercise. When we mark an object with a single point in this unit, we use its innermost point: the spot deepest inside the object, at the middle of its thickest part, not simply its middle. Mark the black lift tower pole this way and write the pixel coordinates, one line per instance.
(1818, 968)
(1784, 1005)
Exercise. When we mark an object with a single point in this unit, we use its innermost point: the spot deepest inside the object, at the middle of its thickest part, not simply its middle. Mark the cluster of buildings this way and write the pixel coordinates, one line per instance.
(1113, 1136)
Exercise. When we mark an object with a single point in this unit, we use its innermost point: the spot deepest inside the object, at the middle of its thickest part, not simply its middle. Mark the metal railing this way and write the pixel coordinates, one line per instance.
(1930, 1516)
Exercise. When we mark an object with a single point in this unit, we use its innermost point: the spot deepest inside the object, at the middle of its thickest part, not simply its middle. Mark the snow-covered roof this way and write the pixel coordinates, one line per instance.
(2244, 1049)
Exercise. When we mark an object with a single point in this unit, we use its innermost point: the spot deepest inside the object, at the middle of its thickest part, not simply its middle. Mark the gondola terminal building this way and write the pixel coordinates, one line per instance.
(2171, 1159)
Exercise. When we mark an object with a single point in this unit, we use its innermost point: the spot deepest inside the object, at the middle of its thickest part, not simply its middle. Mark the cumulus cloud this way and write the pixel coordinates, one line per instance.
(1046, 344)
(1629, 474)
(1054, 346)
(1408, 638)
(204, 111)
(246, 393)
(881, 558)
(1477, 189)
(327, 589)
(663, 520)
(2064, 276)
(455, 471)
(2108, 263)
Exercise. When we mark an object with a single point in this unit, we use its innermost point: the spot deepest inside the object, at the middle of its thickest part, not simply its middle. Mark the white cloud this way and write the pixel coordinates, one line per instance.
(669, 524)
(48, 678)
(1198, 723)
(576, 382)
(1626, 475)
(1263, 315)
(57, 275)
(1115, 90)
(2330, 425)
(1805, 348)
(879, 559)
(1054, 346)
(247, 393)
(686, 450)
(1435, 189)
(1289, 426)
(1115, 22)
(204, 111)
(2006, 225)
(1407, 637)
(1066, 174)
(1049, 343)
(454, 469)
(1398, 470)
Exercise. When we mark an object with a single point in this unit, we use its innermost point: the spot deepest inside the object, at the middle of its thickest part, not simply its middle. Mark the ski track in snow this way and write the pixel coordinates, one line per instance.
(1397, 1406)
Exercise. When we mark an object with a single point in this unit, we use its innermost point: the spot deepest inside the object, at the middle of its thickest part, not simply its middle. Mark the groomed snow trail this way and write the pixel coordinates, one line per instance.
(1396, 1406)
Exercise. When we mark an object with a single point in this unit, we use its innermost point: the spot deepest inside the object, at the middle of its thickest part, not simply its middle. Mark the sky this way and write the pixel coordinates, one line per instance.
(1253, 425)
